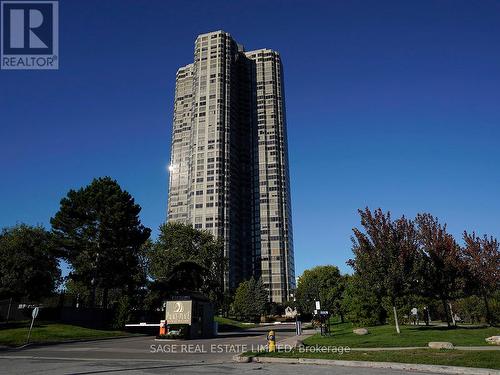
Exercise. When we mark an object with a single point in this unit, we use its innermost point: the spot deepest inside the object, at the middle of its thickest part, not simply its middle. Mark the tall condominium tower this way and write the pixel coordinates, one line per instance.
(229, 159)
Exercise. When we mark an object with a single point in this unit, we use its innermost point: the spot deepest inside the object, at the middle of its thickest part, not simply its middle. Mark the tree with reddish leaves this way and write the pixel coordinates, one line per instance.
(482, 260)
(386, 255)
(444, 268)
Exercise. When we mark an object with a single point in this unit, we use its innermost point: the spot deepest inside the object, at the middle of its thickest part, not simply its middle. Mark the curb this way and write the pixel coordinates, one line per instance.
(242, 359)
(438, 369)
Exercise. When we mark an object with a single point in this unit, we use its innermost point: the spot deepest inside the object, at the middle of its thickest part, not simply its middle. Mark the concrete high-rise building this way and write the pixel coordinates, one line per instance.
(229, 159)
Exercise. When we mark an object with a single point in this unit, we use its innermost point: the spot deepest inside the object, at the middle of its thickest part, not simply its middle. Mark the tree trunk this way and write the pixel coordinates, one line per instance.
(92, 292)
(341, 318)
(105, 298)
(445, 306)
(396, 318)
(452, 316)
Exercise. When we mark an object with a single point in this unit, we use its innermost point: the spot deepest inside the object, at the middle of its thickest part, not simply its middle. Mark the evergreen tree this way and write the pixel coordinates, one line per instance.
(99, 233)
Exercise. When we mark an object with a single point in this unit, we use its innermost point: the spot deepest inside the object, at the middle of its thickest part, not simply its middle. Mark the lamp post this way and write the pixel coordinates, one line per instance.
(296, 315)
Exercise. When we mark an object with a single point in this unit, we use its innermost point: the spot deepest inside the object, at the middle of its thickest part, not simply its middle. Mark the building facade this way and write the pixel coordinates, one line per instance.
(229, 159)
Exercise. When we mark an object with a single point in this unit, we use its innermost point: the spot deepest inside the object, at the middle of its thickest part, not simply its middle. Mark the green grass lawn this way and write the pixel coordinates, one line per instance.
(226, 324)
(482, 359)
(49, 333)
(386, 336)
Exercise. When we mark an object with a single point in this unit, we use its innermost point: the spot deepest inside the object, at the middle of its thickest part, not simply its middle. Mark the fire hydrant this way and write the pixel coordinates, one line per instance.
(271, 341)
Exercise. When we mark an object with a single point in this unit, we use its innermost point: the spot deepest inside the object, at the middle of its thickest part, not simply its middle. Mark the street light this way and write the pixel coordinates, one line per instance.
(297, 329)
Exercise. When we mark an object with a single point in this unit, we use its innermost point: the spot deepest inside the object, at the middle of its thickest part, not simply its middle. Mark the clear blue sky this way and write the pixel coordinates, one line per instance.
(392, 104)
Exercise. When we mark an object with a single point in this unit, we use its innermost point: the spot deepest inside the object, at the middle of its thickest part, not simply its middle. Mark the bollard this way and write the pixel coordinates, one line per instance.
(271, 341)
(298, 327)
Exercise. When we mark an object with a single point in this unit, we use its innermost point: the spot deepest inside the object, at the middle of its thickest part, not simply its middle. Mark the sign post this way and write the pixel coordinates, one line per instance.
(34, 314)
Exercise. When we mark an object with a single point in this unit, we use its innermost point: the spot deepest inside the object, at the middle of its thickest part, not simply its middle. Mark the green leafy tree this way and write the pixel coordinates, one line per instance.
(185, 258)
(250, 300)
(482, 263)
(77, 291)
(470, 309)
(28, 266)
(386, 255)
(443, 266)
(99, 233)
(361, 304)
(323, 283)
(123, 312)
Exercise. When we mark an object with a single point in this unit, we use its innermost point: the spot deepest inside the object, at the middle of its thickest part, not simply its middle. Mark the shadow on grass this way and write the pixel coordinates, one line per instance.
(337, 323)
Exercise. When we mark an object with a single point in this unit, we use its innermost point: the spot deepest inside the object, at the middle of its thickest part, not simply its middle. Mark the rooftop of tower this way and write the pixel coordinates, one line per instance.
(214, 32)
(241, 47)
(182, 68)
(261, 50)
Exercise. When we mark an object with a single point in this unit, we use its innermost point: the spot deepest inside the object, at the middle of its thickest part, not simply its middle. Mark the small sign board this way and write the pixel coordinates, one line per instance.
(34, 314)
(318, 305)
(178, 312)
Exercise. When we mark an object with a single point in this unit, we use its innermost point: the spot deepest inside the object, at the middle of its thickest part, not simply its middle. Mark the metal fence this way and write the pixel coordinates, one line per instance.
(12, 310)
(62, 309)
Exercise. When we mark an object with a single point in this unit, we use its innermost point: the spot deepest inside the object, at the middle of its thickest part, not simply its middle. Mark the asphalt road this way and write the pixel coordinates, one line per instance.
(145, 355)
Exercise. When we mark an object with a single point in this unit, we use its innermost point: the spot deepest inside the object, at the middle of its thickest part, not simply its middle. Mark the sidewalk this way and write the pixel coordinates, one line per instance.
(295, 341)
